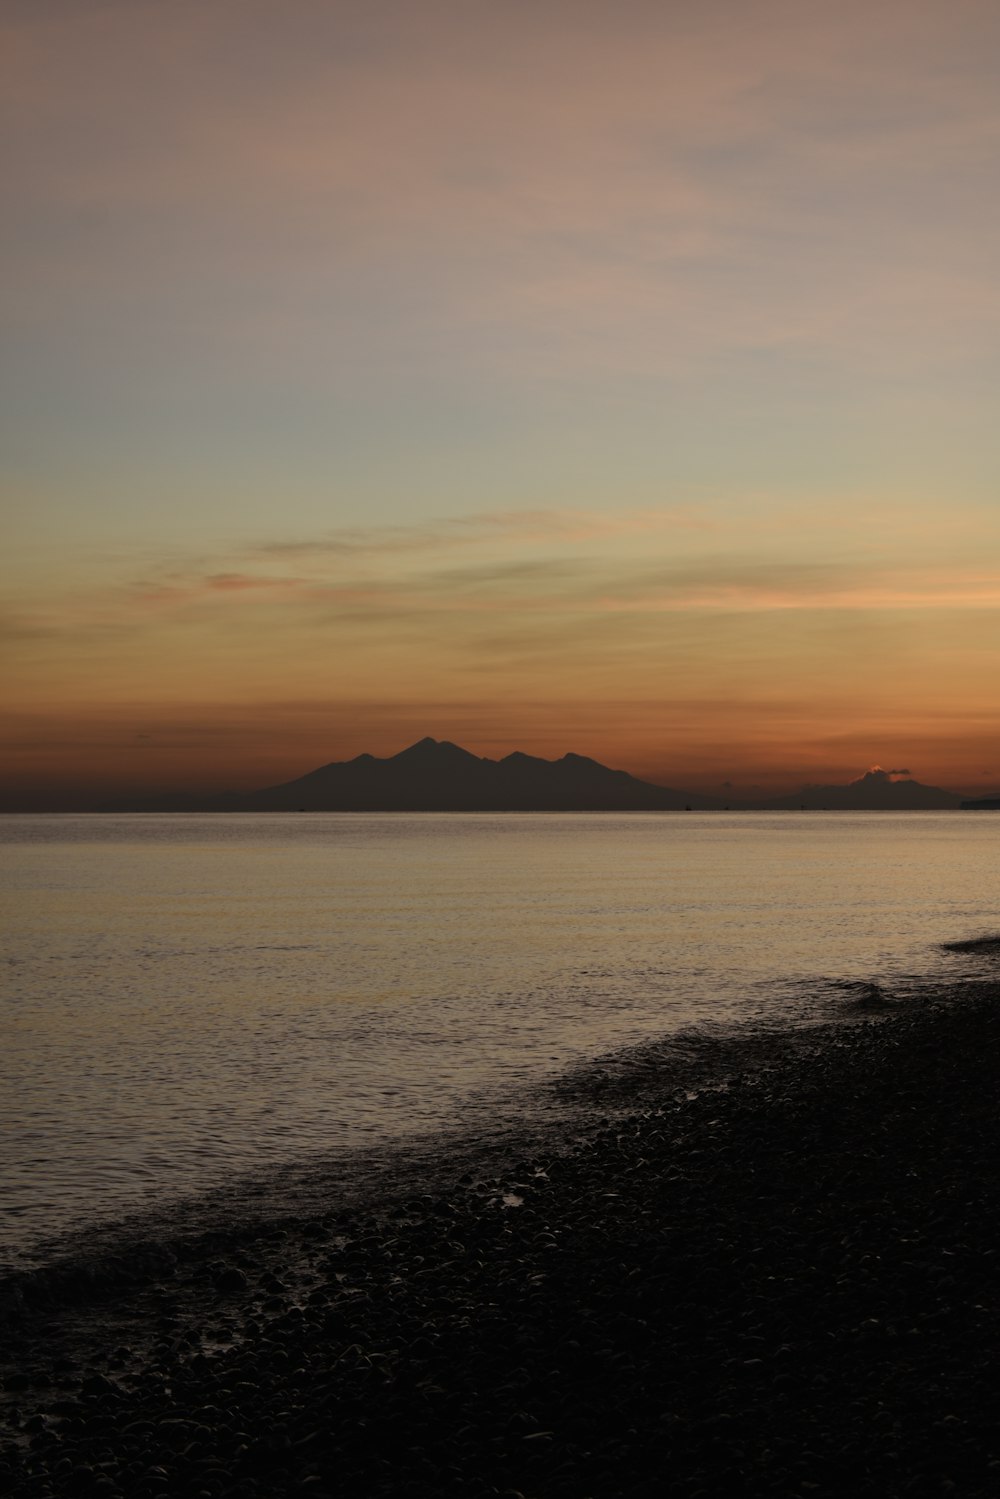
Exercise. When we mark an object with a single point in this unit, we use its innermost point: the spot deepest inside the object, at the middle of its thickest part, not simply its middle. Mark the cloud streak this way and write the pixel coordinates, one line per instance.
(534, 565)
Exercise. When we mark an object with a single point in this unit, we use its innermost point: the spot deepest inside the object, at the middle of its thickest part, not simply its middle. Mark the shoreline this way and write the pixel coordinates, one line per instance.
(105, 1257)
(780, 1285)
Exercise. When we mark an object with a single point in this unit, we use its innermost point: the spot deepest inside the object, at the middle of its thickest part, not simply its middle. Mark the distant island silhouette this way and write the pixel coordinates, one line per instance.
(877, 790)
(438, 776)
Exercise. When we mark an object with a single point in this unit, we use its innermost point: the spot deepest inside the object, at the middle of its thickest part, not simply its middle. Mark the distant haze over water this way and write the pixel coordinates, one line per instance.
(193, 999)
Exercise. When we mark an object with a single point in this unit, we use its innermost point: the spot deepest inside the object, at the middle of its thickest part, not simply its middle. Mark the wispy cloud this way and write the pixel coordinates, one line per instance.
(507, 527)
(547, 562)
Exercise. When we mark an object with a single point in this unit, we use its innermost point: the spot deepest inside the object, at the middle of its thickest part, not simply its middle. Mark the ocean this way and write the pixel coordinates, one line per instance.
(199, 1005)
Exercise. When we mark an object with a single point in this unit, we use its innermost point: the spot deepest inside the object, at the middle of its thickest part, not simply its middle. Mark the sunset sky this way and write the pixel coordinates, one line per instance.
(546, 375)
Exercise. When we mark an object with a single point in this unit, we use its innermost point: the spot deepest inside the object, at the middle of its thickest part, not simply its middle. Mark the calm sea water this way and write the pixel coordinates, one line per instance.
(188, 1000)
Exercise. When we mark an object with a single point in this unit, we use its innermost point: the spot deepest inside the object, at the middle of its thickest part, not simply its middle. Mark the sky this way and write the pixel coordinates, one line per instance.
(617, 378)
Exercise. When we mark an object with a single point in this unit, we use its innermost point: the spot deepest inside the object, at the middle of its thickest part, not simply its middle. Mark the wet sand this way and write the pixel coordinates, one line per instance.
(784, 1286)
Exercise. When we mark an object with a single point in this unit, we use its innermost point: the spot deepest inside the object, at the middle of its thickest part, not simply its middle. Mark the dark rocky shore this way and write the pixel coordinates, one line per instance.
(784, 1286)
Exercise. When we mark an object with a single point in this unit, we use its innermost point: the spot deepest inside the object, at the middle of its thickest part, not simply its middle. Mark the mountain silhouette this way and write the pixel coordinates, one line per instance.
(877, 790)
(438, 776)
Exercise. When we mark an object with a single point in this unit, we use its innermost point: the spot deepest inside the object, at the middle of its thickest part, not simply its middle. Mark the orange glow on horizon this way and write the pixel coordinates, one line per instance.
(246, 747)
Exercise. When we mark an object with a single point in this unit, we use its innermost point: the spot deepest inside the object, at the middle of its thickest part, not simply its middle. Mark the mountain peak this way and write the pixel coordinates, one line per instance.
(876, 776)
(434, 751)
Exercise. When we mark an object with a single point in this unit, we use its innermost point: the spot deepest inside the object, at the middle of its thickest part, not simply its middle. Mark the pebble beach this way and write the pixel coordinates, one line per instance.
(783, 1283)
